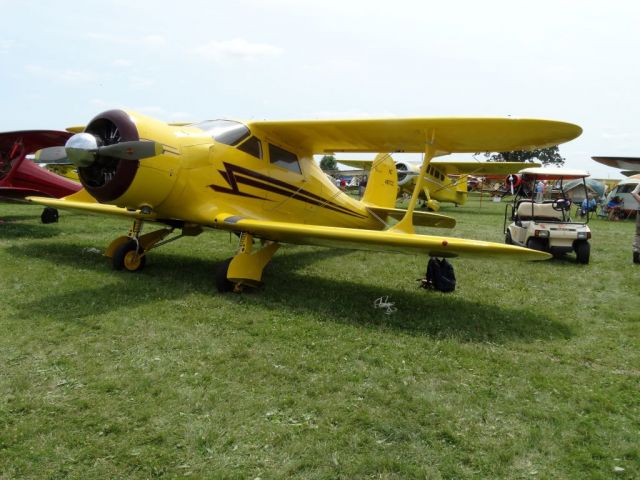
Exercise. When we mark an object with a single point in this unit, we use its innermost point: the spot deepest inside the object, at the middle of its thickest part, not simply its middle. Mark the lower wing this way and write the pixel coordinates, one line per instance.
(385, 240)
(350, 238)
(85, 202)
(421, 219)
(18, 193)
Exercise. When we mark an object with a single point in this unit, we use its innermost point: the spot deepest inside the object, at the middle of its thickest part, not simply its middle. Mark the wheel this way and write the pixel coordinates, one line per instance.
(49, 215)
(536, 244)
(127, 257)
(507, 238)
(222, 282)
(583, 249)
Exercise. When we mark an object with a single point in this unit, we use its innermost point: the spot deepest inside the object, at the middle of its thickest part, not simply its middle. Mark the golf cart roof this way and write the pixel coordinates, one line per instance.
(552, 173)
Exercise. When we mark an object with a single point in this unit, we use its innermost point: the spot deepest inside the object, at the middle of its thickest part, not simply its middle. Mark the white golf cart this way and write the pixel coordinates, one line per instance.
(542, 221)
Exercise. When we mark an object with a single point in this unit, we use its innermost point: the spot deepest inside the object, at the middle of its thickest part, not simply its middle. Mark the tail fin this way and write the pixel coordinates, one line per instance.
(461, 184)
(382, 185)
(461, 190)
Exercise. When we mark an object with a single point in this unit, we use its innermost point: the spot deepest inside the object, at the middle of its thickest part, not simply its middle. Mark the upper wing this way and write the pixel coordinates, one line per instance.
(411, 134)
(459, 168)
(625, 163)
(481, 168)
(32, 140)
(386, 241)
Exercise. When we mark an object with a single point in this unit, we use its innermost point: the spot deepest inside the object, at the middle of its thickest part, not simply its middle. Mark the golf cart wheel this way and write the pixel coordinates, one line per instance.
(536, 244)
(507, 238)
(583, 249)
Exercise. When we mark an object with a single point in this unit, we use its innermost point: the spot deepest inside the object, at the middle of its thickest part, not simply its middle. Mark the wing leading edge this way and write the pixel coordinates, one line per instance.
(336, 237)
(451, 135)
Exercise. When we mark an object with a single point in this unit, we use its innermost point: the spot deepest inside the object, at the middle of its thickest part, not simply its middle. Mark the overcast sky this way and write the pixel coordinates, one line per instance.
(578, 61)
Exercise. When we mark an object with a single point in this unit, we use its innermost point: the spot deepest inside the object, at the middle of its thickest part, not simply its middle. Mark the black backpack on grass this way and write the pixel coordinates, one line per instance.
(439, 276)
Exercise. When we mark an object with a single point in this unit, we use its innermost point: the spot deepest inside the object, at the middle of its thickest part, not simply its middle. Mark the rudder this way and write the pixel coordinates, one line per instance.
(382, 185)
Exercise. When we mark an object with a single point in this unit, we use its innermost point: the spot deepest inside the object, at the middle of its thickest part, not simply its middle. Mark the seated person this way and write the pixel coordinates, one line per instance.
(588, 205)
(615, 208)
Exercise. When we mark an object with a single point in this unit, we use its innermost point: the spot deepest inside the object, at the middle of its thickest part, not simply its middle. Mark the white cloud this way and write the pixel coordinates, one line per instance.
(147, 40)
(153, 40)
(618, 136)
(351, 113)
(66, 75)
(140, 82)
(6, 45)
(122, 62)
(237, 48)
(162, 113)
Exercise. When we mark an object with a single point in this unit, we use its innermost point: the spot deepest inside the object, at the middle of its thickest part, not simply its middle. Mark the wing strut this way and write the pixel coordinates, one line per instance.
(406, 224)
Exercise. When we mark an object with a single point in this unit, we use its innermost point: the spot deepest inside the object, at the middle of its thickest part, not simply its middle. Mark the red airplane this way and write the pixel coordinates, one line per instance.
(20, 177)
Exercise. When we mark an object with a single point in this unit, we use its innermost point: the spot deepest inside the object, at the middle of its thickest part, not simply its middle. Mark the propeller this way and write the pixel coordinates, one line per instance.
(83, 149)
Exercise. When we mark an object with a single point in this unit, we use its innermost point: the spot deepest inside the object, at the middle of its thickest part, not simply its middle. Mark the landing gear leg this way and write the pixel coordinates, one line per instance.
(246, 267)
(129, 252)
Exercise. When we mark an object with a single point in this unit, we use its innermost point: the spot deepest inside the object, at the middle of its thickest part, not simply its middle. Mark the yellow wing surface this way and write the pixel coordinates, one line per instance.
(481, 168)
(458, 168)
(421, 219)
(450, 134)
(85, 202)
(349, 238)
(387, 241)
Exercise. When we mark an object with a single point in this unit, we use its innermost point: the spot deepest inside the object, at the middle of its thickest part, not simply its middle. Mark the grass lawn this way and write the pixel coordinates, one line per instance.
(527, 370)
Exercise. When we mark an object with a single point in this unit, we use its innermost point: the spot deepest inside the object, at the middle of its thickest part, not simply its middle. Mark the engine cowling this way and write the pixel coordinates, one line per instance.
(128, 182)
(406, 171)
(512, 182)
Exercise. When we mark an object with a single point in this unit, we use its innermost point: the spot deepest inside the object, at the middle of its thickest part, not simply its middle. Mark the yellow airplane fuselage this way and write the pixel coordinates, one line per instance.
(197, 178)
(438, 185)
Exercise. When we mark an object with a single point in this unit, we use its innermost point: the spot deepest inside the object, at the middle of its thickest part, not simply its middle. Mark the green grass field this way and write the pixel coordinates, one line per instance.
(528, 370)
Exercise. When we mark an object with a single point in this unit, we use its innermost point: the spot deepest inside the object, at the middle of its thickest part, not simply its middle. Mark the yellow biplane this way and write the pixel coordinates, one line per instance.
(444, 181)
(259, 180)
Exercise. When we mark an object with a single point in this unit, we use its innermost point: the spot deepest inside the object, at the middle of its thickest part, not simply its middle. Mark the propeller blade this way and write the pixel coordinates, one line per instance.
(134, 150)
(52, 155)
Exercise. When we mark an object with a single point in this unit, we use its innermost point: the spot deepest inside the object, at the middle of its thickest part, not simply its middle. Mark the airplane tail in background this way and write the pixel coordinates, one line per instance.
(382, 185)
(461, 190)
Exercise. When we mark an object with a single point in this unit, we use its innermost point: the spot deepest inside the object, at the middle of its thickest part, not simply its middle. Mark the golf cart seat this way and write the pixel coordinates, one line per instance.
(540, 211)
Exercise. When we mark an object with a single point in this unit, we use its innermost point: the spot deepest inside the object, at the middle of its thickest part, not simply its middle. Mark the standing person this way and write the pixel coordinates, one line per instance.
(539, 191)
(363, 186)
(636, 240)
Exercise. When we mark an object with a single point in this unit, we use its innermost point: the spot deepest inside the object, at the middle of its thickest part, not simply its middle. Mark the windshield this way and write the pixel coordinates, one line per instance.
(224, 131)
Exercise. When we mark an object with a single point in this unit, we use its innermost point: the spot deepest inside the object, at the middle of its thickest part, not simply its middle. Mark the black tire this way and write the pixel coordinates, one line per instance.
(583, 250)
(536, 244)
(222, 282)
(507, 238)
(124, 258)
(49, 215)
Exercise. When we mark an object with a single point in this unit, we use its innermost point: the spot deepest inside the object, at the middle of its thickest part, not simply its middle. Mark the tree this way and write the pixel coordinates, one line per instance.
(328, 162)
(547, 156)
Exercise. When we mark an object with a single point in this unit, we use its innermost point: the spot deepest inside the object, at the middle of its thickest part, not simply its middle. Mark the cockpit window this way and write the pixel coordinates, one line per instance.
(253, 146)
(224, 131)
(282, 158)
